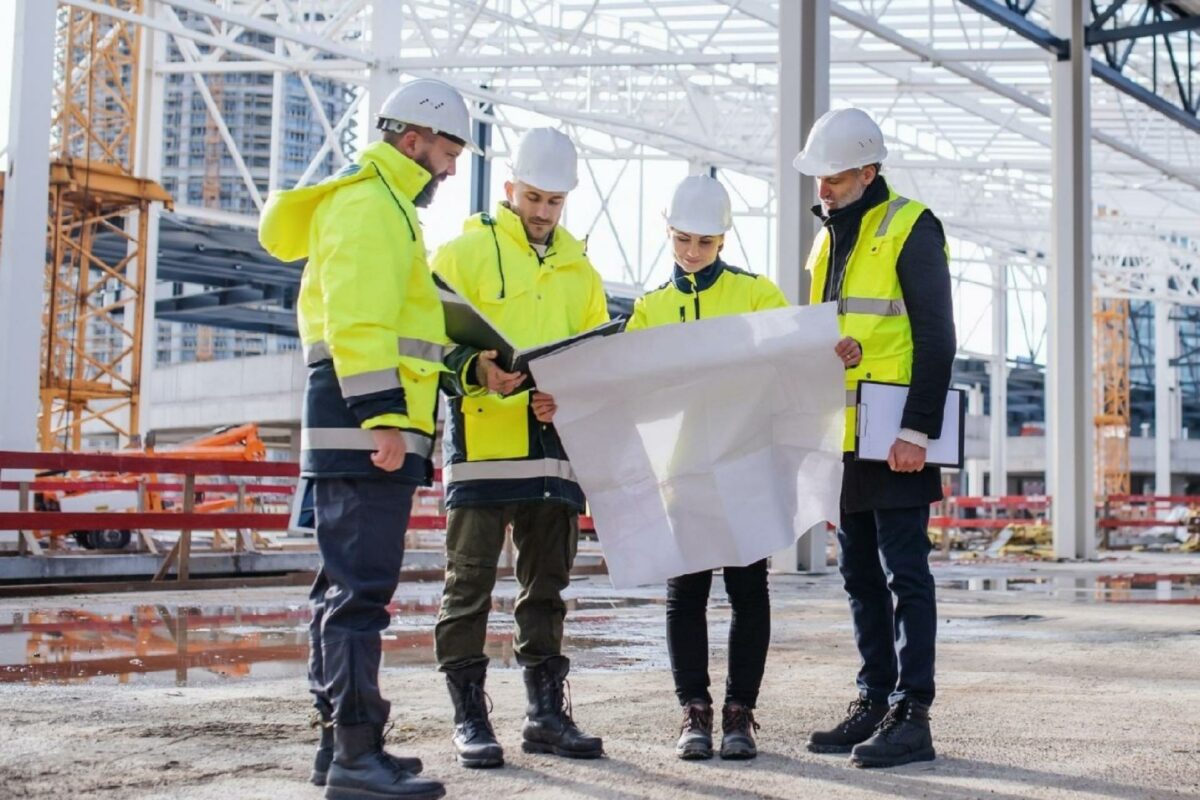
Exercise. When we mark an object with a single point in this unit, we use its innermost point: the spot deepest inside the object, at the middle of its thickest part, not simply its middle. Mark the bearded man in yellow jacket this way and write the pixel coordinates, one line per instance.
(504, 463)
(374, 335)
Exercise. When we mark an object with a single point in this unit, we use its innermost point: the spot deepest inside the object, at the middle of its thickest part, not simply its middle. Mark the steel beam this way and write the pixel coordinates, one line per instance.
(387, 27)
(26, 193)
(998, 382)
(481, 163)
(803, 97)
(1166, 394)
(1069, 434)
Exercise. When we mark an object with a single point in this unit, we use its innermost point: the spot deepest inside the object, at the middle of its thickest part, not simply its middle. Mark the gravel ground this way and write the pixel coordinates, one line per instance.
(1047, 690)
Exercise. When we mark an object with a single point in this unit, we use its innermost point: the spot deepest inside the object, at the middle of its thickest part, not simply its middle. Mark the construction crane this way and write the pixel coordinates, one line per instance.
(93, 318)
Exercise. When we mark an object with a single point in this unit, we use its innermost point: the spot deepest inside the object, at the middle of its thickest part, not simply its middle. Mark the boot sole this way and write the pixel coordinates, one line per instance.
(694, 755)
(738, 756)
(318, 778)
(481, 763)
(867, 762)
(549, 749)
(830, 748)
(337, 793)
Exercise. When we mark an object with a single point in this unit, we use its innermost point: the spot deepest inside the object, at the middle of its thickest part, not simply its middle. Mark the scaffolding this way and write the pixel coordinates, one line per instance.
(1112, 396)
(93, 318)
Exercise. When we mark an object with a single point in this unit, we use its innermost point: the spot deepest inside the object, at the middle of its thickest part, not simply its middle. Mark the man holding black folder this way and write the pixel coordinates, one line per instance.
(504, 464)
(883, 259)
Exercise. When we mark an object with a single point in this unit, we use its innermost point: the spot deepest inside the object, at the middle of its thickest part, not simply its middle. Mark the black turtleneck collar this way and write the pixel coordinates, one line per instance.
(704, 278)
(875, 194)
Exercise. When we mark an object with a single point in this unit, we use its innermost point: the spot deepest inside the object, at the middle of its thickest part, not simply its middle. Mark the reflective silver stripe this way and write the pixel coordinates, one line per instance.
(359, 439)
(381, 380)
(414, 348)
(893, 207)
(316, 352)
(509, 470)
(851, 398)
(419, 348)
(870, 305)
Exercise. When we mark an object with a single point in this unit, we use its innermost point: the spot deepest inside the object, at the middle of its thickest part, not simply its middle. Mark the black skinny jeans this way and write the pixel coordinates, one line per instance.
(749, 633)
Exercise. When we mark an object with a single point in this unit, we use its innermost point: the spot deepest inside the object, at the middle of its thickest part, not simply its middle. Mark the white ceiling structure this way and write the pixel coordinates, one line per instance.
(964, 99)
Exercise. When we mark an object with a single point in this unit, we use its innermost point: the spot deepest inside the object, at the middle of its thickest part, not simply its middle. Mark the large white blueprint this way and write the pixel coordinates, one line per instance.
(709, 444)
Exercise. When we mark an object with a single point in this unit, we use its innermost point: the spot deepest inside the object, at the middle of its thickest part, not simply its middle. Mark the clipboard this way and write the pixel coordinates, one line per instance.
(467, 325)
(880, 409)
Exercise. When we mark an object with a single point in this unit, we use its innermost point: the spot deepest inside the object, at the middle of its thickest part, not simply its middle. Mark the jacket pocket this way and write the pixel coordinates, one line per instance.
(420, 382)
(496, 427)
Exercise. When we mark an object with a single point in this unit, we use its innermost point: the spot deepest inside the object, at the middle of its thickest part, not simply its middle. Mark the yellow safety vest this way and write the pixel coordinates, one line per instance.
(369, 314)
(870, 303)
(495, 449)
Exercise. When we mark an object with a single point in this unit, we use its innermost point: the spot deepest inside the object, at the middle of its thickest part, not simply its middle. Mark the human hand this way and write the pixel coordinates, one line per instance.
(496, 380)
(906, 457)
(543, 407)
(389, 449)
(849, 351)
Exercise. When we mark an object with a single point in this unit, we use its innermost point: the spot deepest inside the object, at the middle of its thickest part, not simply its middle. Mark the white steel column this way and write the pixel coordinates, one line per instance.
(1166, 395)
(278, 109)
(26, 203)
(1069, 413)
(803, 97)
(387, 24)
(998, 449)
(148, 164)
(972, 472)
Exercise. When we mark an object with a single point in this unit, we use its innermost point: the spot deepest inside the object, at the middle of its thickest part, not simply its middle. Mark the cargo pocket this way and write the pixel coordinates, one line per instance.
(496, 427)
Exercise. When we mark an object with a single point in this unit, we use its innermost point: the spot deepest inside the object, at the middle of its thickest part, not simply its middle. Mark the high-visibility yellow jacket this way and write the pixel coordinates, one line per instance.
(495, 450)
(870, 301)
(370, 318)
(718, 290)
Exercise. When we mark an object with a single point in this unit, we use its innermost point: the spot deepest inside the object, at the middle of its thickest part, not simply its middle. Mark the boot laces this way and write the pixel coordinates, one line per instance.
(566, 701)
(896, 716)
(696, 717)
(857, 709)
(477, 698)
(739, 718)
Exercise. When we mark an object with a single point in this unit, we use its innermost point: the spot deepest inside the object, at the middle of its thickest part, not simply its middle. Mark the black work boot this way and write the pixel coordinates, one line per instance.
(902, 737)
(361, 770)
(324, 757)
(549, 727)
(695, 735)
(474, 738)
(862, 718)
(737, 732)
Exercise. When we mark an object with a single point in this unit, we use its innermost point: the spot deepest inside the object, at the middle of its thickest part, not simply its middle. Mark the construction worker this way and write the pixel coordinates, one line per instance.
(702, 285)
(883, 259)
(503, 461)
(373, 334)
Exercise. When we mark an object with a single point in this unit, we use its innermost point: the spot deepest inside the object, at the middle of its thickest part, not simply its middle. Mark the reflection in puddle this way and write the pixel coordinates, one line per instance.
(159, 644)
(1147, 587)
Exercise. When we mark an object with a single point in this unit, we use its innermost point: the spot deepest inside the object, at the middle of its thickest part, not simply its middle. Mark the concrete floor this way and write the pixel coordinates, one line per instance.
(1055, 681)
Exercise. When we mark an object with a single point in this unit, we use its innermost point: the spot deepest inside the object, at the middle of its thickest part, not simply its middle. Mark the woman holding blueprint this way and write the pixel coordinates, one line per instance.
(701, 286)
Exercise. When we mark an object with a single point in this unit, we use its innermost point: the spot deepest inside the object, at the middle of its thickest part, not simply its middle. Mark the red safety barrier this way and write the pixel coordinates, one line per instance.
(130, 486)
(134, 520)
(98, 462)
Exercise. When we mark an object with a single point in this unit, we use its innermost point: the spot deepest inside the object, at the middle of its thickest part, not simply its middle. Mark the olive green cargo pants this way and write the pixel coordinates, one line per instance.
(546, 536)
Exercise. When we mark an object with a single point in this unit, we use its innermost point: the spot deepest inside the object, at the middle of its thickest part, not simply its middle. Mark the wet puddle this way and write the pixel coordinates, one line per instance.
(196, 645)
(1154, 588)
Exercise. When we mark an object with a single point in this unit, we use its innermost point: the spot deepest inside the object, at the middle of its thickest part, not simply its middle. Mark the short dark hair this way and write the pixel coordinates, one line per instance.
(393, 137)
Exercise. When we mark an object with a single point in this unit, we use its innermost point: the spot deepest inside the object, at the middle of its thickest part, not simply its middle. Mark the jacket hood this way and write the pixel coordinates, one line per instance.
(283, 229)
(563, 248)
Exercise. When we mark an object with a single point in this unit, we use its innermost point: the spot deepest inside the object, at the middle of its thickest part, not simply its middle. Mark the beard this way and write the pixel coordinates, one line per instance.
(425, 196)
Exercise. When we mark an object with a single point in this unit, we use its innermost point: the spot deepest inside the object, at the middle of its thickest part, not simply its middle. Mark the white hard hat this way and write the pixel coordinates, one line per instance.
(700, 205)
(840, 140)
(431, 104)
(546, 159)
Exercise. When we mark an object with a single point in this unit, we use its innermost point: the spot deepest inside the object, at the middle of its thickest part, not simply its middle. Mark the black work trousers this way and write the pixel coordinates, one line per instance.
(884, 559)
(360, 532)
(749, 633)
